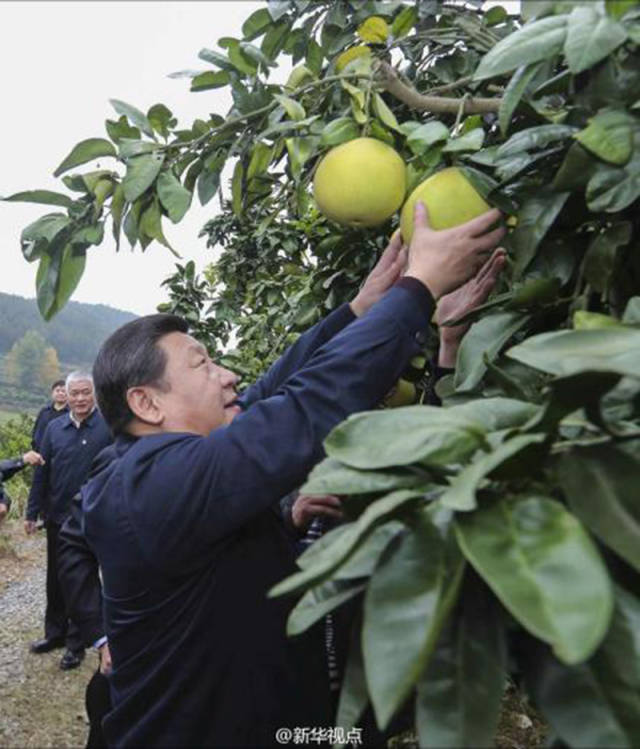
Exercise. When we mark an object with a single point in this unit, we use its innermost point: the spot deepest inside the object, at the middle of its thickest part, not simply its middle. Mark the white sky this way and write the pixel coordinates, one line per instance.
(61, 62)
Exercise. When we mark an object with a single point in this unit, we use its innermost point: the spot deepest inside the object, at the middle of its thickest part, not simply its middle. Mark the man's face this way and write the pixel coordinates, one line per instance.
(81, 398)
(201, 395)
(59, 394)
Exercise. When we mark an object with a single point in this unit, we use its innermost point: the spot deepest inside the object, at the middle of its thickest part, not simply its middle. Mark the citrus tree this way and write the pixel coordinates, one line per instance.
(502, 531)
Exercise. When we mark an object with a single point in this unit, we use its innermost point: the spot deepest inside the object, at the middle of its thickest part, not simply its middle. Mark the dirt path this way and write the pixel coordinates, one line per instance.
(42, 706)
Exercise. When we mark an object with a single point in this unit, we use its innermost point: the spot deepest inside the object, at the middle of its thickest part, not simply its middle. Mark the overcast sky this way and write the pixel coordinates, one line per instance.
(61, 62)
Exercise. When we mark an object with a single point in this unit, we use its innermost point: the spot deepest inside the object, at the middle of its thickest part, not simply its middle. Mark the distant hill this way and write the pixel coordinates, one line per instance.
(76, 333)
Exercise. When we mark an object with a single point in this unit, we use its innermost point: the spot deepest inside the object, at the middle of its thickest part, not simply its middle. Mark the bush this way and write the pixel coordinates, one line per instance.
(15, 439)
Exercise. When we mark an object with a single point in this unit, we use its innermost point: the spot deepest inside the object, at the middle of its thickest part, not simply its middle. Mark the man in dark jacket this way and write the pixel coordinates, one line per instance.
(51, 411)
(69, 446)
(182, 520)
(7, 469)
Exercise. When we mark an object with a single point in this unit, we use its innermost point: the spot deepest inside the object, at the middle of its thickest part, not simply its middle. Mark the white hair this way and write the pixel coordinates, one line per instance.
(78, 376)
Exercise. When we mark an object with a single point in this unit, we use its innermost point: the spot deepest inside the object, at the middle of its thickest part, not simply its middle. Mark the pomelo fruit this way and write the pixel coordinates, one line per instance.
(360, 183)
(403, 393)
(450, 199)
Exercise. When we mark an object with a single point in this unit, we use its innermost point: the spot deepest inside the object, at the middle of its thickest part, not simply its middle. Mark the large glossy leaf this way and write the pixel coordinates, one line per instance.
(86, 150)
(514, 92)
(257, 23)
(486, 337)
(365, 558)
(46, 197)
(36, 237)
(339, 131)
(601, 485)
(175, 198)
(609, 136)
(591, 36)
(600, 260)
(534, 137)
(318, 602)
(353, 694)
(423, 137)
(406, 602)
(209, 80)
(567, 352)
(471, 141)
(535, 41)
(498, 413)
(613, 188)
(57, 277)
(535, 218)
(461, 494)
(401, 436)
(459, 694)
(543, 566)
(134, 115)
(118, 203)
(344, 544)
(141, 172)
(333, 477)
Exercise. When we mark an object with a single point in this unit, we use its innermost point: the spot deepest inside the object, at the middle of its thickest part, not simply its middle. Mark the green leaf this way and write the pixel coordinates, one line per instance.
(261, 156)
(46, 197)
(590, 38)
(611, 188)
(175, 198)
(471, 141)
(401, 436)
(608, 136)
(600, 485)
(57, 278)
(496, 414)
(300, 151)
(632, 311)
(128, 148)
(534, 137)
(277, 8)
(135, 116)
(384, 113)
(71, 269)
(332, 477)
(141, 173)
(575, 171)
(460, 692)
(314, 56)
(37, 236)
(539, 40)
(257, 23)
(600, 259)
(461, 495)
(130, 225)
(617, 8)
(344, 543)
(374, 30)
(320, 601)
(117, 130)
(568, 352)
(514, 92)
(423, 137)
(210, 79)
(404, 22)
(118, 203)
(150, 225)
(353, 694)
(160, 119)
(405, 603)
(339, 131)
(535, 218)
(256, 55)
(236, 188)
(216, 58)
(293, 109)
(485, 338)
(365, 558)
(86, 150)
(240, 59)
(546, 570)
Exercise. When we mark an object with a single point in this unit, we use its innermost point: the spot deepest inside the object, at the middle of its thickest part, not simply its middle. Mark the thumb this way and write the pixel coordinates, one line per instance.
(420, 216)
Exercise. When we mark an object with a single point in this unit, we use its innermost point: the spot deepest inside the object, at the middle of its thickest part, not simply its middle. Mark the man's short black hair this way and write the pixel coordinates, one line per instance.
(57, 384)
(131, 358)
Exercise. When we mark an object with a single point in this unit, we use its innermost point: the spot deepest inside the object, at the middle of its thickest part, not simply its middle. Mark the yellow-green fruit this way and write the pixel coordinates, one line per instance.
(360, 183)
(583, 320)
(403, 393)
(450, 199)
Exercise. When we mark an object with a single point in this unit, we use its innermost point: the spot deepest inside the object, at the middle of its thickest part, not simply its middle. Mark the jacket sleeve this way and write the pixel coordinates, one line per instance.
(10, 467)
(36, 435)
(37, 495)
(238, 471)
(79, 578)
(297, 355)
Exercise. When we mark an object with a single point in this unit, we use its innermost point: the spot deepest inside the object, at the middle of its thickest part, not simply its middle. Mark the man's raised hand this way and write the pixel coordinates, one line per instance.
(386, 272)
(444, 260)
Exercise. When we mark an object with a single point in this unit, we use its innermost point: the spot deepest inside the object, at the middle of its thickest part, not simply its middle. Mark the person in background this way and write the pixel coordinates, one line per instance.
(7, 469)
(69, 446)
(51, 411)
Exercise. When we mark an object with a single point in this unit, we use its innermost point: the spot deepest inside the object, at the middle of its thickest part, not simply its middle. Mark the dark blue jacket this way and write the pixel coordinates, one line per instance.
(189, 544)
(7, 469)
(44, 417)
(68, 452)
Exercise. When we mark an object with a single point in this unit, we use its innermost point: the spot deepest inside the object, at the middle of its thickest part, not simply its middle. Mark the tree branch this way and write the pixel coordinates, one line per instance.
(437, 104)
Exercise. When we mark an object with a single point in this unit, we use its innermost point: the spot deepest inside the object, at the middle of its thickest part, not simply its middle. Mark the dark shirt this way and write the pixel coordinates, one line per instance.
(189, 543)
(68, 452)
(44, 417)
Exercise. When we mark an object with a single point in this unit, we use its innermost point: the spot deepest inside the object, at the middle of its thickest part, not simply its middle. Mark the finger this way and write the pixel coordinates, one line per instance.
(490, 240)
(394, 271)
(390, 253)
(480, 224)
(329, 501)
(491, 263)
(326, 511)
(420, 216)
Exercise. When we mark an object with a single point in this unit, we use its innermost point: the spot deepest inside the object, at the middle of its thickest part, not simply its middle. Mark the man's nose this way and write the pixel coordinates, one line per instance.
(227, 377)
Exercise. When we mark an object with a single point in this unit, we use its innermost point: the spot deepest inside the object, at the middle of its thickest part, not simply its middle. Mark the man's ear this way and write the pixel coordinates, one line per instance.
(145, 405)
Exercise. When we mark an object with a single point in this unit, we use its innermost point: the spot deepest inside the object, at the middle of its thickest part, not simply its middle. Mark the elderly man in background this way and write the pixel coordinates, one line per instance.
(68, 448)
(51, 411)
